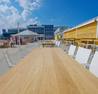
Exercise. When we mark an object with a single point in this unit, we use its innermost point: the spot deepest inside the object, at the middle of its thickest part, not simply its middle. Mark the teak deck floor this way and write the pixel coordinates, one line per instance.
(48, 71)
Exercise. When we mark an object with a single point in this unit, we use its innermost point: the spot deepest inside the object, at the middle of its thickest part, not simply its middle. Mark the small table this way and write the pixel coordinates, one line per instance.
(48, 44)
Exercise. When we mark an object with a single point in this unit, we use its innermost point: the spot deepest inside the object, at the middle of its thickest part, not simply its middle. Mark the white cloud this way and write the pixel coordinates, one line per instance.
(30, 21)
(29, 4)
(10, 15)
(25, 14)
(4, 1)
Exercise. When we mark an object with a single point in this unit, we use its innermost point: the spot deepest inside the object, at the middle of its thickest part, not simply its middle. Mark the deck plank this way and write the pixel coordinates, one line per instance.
(48, 71)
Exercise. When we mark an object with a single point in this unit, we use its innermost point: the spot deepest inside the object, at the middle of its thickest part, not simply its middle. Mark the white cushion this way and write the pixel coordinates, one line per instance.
(71, 50)
(94, 64)
(82, 55)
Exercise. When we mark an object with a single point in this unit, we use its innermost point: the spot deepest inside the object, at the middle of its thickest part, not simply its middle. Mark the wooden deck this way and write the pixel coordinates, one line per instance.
(48, 71)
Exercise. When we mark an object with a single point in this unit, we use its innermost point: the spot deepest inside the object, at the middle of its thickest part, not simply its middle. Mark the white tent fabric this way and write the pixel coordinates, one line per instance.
(72, 50)
(94, 64)
(26, 33)
(82, 55)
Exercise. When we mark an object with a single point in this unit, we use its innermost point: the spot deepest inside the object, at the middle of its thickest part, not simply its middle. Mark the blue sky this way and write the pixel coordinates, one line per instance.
(67, 12)
(57, 12)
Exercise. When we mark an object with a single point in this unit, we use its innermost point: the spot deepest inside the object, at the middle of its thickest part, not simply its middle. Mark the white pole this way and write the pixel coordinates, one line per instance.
(44, 33)
(18, 32)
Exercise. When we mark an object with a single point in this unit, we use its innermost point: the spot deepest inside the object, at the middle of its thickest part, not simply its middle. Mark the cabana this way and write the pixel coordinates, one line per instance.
(26, 36)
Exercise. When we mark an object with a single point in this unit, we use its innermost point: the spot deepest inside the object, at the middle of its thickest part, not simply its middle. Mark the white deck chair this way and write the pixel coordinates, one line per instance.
(82, 55)
(58, 43)
(71, 50)
(94, 64)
